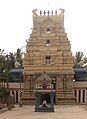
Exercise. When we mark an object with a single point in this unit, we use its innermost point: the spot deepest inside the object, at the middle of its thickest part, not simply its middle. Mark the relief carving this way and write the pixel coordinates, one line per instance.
(69, 54)
(59, 53)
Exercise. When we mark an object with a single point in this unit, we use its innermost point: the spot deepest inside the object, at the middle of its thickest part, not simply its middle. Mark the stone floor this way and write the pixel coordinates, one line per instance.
(61, 112)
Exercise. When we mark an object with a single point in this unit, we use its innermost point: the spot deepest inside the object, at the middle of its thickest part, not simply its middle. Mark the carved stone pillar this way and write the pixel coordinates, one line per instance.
(65, 93)
(52, 100)
(37, 100)
(28, 90)
(25, 81)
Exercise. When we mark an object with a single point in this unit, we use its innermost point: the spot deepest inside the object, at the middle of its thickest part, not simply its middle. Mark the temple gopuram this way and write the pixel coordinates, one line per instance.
(48, 54)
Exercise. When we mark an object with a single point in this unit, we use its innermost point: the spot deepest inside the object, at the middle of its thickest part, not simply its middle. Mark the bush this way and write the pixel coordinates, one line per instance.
(4, 93)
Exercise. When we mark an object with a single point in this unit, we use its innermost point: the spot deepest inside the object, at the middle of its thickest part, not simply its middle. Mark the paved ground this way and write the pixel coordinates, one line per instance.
(61, 112)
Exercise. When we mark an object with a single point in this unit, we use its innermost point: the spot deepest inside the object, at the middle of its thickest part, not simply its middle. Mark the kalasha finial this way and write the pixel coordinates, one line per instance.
(44, 12)
(52, 12)
(34, 11)
(55, 12)
(48, 12)
(40, 12)
(62, 10)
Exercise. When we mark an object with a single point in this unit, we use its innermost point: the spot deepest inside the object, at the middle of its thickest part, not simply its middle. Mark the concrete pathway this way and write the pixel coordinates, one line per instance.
(61, 112)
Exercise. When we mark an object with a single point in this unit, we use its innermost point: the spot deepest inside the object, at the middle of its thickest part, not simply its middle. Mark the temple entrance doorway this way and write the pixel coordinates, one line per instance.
(46, 97)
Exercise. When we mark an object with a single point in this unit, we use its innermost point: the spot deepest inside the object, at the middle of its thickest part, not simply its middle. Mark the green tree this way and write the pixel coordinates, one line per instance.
(19, 56)
(6, 63)
(85, 60)
(2, 60)
(4, 93)
(10, 61)
(78, 58)
(7, 75)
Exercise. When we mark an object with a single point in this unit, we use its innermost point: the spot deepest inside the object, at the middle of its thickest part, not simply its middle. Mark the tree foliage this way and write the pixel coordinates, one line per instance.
(79, 59)
(4, 93)
(7, 62)
(19, 56)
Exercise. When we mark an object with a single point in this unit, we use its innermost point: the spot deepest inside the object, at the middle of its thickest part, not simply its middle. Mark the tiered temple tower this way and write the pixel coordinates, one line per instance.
(48, 50)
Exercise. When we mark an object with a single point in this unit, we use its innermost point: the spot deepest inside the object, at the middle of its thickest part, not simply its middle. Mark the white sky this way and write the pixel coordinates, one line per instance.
(16, 22)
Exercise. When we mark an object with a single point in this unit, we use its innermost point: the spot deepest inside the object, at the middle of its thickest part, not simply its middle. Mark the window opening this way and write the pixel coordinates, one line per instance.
(31, 61)
(48, 31)
(48, 59)
(48, 42)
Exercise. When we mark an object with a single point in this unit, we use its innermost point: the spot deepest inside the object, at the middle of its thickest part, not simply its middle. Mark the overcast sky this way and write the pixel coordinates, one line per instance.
(16, 22)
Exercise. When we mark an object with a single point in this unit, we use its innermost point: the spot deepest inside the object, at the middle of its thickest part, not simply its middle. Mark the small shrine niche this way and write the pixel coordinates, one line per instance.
(48, 31)
(44, 94)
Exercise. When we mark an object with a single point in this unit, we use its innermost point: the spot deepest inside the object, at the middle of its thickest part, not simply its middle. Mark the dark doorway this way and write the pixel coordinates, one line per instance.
(45, 97)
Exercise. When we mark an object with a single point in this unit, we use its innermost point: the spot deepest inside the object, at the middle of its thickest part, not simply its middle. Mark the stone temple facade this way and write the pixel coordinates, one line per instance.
(48, 50)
